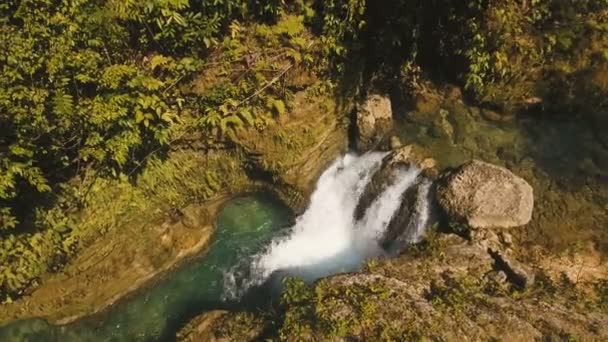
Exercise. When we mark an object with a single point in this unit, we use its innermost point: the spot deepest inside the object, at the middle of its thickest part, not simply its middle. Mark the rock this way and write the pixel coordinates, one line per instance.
(491, 115)
(195, 216)
(428, 163)
(451, 292)
(484, 195)
(420, 118)
(374, 122)
(406, 225)
(431, 301)
(517, 273)
(403, 157)
(410, 223)
(506, 239)
(222, 326)
(453, 93)
(409, 155)
(200, 327)
(430, 173)
(427, 103)
(441, 126)
(533, 100)
(395, 142)
(475, 112)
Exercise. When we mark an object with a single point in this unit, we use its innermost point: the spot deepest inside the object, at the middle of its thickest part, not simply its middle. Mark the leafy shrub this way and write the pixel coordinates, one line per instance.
(93, 91)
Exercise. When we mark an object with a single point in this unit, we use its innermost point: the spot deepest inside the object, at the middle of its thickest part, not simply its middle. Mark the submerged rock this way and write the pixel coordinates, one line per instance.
(374, 122)
(484, 195)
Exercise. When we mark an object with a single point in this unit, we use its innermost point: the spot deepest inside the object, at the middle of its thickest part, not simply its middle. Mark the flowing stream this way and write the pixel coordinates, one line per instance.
(250, 250)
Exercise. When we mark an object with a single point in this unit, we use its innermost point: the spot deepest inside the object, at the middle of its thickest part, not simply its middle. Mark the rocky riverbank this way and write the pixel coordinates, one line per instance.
(478, 273)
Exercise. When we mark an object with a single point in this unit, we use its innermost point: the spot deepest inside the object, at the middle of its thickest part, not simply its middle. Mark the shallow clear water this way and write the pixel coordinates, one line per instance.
(565, 159)
(245, 225)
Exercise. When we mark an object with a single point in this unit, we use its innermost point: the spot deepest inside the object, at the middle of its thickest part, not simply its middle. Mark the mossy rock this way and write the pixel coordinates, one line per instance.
(216, 326)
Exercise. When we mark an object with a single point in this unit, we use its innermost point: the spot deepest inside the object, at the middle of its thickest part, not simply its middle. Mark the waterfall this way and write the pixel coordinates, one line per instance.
(422, 214)
(326, 239)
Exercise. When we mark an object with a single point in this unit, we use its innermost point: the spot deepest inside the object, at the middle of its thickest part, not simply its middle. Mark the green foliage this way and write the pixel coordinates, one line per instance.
(459, 228)
(602, 293)
(506, 53)
(72, 97)
(93, 95)
(454, 293)
(110, 204)
(241, 326)
(297, 300)
(329, 311)
(342, 23)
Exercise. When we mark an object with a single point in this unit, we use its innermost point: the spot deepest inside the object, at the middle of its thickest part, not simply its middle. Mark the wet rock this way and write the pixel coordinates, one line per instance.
(484, 195)
(402, 217)
(411, 221)
(374, 122)
(403, 157)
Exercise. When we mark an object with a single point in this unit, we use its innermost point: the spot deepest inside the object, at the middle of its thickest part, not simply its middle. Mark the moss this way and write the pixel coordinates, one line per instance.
(602, 294)
(241, 326)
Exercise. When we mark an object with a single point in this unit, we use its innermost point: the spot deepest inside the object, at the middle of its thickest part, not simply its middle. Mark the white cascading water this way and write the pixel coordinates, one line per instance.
(326, 239)
(422, 213)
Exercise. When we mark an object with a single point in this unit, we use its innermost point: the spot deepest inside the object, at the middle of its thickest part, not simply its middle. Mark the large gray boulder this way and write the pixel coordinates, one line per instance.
(485, 195)
(374, 122)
